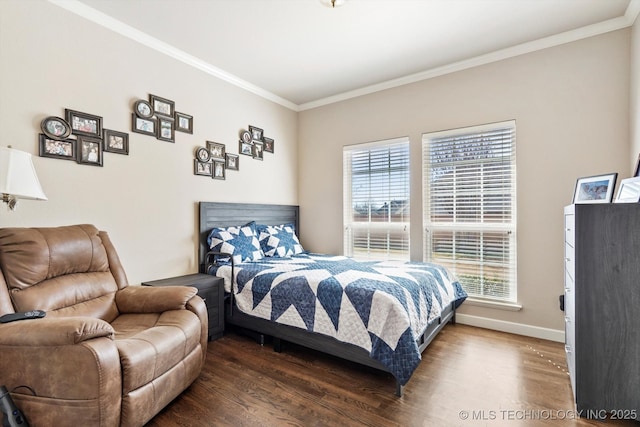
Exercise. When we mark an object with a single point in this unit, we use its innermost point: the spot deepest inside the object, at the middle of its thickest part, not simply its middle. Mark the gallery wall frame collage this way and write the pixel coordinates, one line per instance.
(81, 137)
(91, 140)
(600, 188)
(213, 160)
(158, 117)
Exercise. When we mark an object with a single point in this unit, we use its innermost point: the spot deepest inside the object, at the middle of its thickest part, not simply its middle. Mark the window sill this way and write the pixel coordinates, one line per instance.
(509, 306)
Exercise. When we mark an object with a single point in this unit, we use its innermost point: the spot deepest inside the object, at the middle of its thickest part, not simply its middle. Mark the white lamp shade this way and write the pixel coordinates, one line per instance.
(18, 176)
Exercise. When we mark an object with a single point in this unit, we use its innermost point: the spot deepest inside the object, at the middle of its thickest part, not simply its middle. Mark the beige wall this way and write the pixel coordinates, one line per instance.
(51, 59)
(570, 104)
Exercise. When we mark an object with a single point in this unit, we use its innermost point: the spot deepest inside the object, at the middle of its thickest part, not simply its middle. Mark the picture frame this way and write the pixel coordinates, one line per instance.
(203, 154)
(83, 123)
(55, 128)
(216, 150)
(245, 136)
(202, 168)
(218, 169)
(162, 106)
(143, 109)
(89, 151)
(166, 129)
(256, 133)
(63, 149)
(268, 144)
(629, 191)
(115, 142)
(232, 162)
(184, 122)
(245, 148)
(595, 189)
(142, 125)
(257, 150)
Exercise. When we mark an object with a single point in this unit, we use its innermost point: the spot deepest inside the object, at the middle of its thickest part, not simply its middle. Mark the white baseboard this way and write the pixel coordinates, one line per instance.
(513, 328)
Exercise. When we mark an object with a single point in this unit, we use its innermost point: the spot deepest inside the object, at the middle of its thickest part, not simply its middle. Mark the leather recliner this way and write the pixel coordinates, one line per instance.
(106, 353)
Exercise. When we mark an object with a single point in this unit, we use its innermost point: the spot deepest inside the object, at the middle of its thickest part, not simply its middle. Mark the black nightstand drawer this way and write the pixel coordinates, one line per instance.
(210, 289)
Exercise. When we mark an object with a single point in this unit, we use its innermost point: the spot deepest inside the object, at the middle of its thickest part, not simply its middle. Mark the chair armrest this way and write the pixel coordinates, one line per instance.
(197, 306)
(64, 360)
(53, 331)
(150, 299)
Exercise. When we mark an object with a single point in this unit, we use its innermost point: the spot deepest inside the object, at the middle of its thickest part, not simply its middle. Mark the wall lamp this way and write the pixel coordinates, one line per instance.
(333, 3)
(18, 179)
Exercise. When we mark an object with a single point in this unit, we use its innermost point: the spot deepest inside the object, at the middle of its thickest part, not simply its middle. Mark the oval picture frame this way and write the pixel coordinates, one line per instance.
(246, 137)
(55, 128)
(203, 154)
(143, 109)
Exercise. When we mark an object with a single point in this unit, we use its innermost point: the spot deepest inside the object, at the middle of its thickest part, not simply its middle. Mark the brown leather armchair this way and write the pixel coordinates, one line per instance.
(106, 353)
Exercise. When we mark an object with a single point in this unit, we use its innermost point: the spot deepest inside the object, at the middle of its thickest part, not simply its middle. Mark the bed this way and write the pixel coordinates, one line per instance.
(396, 319)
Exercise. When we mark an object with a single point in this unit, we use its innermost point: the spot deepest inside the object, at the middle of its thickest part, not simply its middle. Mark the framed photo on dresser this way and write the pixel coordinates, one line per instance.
(629, 191)
(595, 189)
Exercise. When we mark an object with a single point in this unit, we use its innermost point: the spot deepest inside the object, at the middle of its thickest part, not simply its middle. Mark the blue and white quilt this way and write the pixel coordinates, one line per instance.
(382, 307)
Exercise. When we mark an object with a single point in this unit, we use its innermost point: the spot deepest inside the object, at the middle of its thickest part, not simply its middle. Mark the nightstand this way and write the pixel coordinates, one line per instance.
(210, 289)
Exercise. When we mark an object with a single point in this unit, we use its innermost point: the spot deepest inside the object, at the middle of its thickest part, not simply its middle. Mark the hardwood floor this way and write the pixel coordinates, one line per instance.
(468, 377)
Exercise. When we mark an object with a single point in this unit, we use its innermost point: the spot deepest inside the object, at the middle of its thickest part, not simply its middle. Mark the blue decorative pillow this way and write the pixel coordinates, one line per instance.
(279, 240)
(241, 242)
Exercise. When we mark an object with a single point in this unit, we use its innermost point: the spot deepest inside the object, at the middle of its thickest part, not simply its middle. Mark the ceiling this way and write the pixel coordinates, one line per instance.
(303, 54)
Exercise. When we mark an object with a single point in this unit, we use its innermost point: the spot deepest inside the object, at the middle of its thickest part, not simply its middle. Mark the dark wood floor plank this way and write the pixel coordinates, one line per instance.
(492, 377)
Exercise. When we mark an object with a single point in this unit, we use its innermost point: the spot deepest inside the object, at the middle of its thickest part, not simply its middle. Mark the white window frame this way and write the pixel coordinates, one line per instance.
(376, 228)
(508, 227)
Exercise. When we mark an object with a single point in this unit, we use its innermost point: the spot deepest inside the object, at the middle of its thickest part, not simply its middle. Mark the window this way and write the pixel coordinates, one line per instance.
(376, 200)
(469, 215)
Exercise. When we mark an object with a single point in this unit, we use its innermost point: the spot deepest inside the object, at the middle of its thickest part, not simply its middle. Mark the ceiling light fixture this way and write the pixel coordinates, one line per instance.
(333, 3)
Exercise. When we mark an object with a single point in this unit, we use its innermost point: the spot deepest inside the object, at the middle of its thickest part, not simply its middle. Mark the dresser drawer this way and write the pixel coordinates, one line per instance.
(569, 261)
(569, 324)
(570, 319)
(570, 229)
(569, 311)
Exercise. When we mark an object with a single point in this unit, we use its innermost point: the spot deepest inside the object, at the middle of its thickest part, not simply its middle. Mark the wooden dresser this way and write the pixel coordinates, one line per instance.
(602, 308)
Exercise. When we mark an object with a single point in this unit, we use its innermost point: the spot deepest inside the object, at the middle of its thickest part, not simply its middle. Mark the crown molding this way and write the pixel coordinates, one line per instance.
(558, 39)
(104, 20)
(145, 39)
(631, 14)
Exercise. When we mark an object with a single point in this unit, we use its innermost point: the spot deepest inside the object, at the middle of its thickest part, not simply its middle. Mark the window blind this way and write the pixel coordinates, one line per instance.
(376, 200)
(469, 215)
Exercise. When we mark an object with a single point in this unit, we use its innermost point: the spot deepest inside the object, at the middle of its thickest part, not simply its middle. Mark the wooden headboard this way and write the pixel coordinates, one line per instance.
(215, 214)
